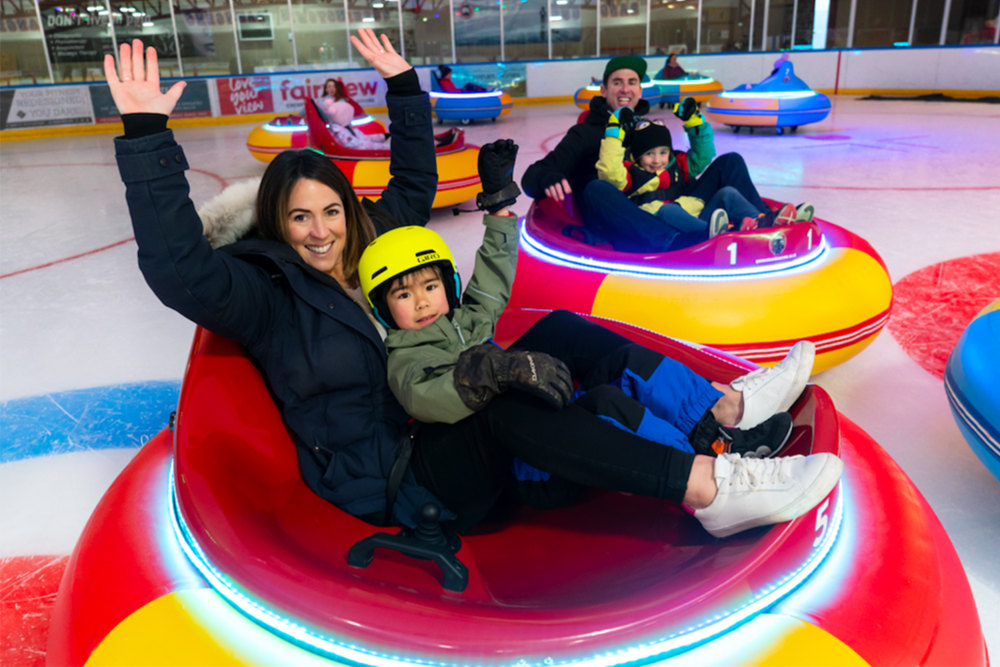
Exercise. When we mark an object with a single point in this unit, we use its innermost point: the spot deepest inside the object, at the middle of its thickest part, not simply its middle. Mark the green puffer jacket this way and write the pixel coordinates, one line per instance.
(421, 362)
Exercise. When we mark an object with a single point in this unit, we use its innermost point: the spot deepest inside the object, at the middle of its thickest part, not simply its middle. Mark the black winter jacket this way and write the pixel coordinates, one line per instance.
(322, 357)
(575, 156)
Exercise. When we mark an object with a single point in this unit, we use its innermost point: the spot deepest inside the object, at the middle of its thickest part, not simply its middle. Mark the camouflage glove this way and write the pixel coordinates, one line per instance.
(485, 370)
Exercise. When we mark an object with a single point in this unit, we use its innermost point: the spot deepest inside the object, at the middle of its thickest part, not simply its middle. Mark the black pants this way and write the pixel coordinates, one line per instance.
(468, 465)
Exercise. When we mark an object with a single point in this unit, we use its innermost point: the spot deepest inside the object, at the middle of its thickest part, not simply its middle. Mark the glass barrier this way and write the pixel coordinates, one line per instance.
(49, 41)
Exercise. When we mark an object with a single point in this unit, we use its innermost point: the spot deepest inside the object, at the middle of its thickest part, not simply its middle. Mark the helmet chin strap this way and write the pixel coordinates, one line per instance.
(378, 316)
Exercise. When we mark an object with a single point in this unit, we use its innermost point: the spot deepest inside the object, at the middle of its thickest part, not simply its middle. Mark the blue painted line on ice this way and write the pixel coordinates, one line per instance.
(125, 415)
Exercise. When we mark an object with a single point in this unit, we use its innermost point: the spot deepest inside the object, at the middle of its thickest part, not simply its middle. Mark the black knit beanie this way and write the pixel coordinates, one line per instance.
(649, 137)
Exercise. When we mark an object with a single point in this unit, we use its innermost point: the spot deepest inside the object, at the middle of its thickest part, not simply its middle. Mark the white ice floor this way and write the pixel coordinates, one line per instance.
(918, 180)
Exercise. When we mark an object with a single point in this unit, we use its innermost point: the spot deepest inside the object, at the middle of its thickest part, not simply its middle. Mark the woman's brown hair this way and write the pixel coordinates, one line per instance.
(287, 169)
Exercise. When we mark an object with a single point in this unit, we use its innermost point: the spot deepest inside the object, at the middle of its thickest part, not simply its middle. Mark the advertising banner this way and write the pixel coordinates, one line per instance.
(39, 107)
(289, 91)
(240, 95)
(194, 102)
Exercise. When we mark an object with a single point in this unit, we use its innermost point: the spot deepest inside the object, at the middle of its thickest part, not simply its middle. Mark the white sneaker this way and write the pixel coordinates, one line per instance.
(718, 223)
(804, 212)
(761, 492)
(768, 391)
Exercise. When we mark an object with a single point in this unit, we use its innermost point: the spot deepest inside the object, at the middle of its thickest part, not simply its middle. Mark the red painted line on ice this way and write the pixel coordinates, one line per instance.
(889, 188)
(67, 259)
(222, 182)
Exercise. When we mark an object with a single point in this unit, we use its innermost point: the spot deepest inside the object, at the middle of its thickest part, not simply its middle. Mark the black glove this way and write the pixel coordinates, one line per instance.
(496, 172)
(485, 370)
(686, 108)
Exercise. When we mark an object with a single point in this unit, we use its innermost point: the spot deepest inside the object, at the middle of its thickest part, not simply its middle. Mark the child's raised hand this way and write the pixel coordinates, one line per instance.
(496, 171)
(687, 111)
(620, 123)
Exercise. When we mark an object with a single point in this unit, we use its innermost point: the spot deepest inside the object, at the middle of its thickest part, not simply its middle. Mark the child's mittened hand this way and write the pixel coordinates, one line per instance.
(626, 117)
(496, 164)
(620, 123)
(686, 108)
(496, 173)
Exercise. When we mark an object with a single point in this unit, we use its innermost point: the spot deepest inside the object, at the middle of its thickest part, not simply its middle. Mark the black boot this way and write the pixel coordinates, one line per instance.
(764, 440)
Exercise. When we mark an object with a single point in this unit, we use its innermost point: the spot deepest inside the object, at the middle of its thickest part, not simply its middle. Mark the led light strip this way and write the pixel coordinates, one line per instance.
(539, 250)
(463, 96)
(285, 128)
(340, 650)
(364, 120)
(682, 82)
(787, 95)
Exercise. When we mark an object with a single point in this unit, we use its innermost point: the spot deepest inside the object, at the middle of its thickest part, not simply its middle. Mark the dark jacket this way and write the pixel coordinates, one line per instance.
(324, 360)
(575, 156)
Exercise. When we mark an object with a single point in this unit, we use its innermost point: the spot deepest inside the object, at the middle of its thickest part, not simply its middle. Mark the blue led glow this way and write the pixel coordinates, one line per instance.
(465, 96)
(827, 581)
(334, 648)
(786, 95)
(684, 82)
(362, 121)
(799, 264)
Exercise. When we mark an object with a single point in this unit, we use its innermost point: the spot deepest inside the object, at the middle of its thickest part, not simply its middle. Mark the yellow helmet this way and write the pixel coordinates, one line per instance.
(400, 251)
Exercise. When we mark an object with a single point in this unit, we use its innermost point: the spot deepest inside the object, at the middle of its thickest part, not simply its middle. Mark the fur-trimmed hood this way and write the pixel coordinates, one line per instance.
(229, 216)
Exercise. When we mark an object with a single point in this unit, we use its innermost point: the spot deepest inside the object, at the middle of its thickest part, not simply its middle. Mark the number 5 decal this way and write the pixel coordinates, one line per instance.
(822, 522)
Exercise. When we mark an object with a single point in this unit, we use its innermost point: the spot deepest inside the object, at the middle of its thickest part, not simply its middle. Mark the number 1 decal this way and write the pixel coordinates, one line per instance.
(732, 252)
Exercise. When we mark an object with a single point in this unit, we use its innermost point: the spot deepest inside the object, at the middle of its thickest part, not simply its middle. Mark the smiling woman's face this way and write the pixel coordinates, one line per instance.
(317, 227)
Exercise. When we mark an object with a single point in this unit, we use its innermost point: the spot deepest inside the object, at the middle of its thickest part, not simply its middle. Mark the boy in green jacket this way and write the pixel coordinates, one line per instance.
(443, 365)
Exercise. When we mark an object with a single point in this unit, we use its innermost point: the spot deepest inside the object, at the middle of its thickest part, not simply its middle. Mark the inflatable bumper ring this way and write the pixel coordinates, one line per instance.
(752, 294)
(209, 549)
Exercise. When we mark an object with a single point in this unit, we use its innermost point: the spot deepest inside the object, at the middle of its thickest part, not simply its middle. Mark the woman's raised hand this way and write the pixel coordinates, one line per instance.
(379, 54)
(138, 88)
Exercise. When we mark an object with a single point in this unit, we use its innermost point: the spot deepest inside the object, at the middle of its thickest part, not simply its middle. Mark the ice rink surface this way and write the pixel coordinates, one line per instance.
(90, 362)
